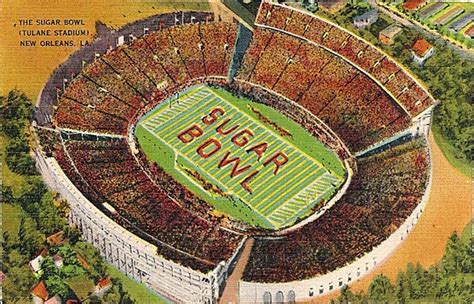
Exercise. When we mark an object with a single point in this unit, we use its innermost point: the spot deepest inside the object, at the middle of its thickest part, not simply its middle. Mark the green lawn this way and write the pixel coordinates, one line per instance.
(460, 163)
(138, 291)
(11, 218)
(164, 155)
(81, 285)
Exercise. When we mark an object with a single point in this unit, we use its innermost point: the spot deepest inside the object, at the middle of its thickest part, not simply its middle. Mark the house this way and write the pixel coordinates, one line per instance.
(58, 260)
(421, 50)
(54, 300)
(102, 287)
(387, 35)
(413, 5)
(39, 293)
(366, 19)
(56, 239)
(35, 264)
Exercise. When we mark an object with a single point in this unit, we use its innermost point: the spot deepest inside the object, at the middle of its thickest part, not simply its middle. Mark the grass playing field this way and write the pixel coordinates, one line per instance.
(246, 159)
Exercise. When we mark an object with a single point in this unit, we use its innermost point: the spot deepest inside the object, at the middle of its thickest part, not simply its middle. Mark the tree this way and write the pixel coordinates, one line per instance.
(31, 198)
(72, 234)
(347, 296)
(56, 286)
(30, 238)
(15, 259)
(458, 257)
(48, 218)
(381, 289)
(18, 158)
(69, 255)
(48, 268)
(7, 194)
(17, 286)
(117, 294)
(92, 256)
(401, 288)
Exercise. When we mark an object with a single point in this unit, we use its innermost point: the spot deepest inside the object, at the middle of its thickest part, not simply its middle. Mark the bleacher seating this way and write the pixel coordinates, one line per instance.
(384, 192)
(349, 46)
(111, 92)
(108, 172)
(348, 101)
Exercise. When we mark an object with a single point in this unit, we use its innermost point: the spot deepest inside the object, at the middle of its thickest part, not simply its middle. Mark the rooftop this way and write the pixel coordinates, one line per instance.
(56, 239)
(391, 30)
(368, 15)
(421, 47)
(40, 291)
(104, 283)
(411, 5)
(54, 300)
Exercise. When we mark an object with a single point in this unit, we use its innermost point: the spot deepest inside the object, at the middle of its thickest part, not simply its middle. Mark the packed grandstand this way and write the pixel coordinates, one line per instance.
(349, 95)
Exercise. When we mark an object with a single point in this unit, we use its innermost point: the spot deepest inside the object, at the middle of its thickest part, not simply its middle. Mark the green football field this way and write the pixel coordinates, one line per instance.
(244, 158)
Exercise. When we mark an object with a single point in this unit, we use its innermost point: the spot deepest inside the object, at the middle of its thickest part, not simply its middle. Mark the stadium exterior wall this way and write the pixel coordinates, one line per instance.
(254, 292)
(131, 254)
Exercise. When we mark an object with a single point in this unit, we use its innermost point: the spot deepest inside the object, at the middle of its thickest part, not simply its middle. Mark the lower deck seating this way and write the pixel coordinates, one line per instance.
(384, 192)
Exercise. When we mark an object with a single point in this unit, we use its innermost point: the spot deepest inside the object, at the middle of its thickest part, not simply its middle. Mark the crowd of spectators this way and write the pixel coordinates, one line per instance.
(384, 192)
(111, 92)
(349, 102)
(384, 69)
(106, 172)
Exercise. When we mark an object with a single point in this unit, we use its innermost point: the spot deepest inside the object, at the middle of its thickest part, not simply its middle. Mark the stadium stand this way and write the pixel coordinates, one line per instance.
(111, 92)
(350, 47)
(348, 101)
(108, 172)
(386, 189)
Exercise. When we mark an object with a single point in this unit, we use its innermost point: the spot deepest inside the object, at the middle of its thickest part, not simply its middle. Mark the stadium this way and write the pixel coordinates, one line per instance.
(180, 139)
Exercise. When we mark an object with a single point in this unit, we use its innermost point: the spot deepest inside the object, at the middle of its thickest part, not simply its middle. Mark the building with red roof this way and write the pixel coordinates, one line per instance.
(56, 239)
(39, 293)
(103, 286)
(470, 31)
(413, 5)
(421, 50)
